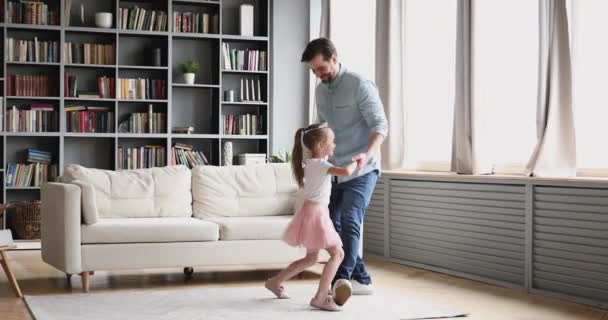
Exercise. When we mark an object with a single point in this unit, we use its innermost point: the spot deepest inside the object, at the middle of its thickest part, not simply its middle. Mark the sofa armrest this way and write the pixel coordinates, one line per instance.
(61, 215)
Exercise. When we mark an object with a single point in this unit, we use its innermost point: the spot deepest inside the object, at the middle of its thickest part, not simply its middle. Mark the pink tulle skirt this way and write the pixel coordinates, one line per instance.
(311, 228)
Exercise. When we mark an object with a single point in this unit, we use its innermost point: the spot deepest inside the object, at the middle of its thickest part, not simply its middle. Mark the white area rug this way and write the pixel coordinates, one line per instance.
(227, 303)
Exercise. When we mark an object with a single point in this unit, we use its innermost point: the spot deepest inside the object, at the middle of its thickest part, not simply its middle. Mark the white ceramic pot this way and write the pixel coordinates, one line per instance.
(189, 78)
(103, 19)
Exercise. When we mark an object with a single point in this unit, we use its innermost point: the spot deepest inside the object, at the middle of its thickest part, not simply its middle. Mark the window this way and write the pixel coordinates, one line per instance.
(589, 47)
(353, 29)
(505, 66)
(429, 57)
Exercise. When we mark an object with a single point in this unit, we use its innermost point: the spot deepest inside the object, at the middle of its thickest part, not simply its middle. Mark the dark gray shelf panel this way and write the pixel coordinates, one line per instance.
(231, 37)
(207, 86)
(143, 100)
(243, 137)
(143, 135)
(244, 72)
(251, 103)
(91, 30)
(88, 99)
(143, 33)
(35, 27)
(195, 136)
(195, 35)
(89, 135)
(82, 65)
(32, 98)
(31, 134)
(55, 64)
(143, 67)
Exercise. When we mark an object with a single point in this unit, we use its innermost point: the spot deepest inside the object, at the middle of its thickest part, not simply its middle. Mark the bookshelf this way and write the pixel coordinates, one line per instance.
(200, 105)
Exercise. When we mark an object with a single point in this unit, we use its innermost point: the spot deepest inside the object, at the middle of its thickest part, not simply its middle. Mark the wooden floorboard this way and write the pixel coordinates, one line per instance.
(483, 302)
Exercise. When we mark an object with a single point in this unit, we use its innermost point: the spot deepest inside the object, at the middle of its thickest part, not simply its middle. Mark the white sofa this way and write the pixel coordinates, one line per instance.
(167, 217)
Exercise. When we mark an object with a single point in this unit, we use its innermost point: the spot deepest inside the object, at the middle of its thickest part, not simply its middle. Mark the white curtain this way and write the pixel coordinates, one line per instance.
(555, 152)
(319, 28)
(462, 143)
(390, 72)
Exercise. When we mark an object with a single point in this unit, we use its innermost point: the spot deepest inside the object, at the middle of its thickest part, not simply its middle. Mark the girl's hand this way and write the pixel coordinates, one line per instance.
(343, 171)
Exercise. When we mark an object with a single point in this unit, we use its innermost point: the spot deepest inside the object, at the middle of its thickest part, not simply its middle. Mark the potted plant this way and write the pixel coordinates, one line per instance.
(189, 69)
(282, 157)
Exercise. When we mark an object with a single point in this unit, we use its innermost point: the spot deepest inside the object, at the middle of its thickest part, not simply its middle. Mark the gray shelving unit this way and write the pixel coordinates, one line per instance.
(199, 105)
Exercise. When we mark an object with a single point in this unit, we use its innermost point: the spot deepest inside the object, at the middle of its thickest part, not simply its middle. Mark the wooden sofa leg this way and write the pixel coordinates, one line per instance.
(9, 274)
(68, 277)
(85, 281)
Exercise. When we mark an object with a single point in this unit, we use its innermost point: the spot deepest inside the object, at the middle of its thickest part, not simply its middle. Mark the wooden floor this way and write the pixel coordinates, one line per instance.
(482, 301)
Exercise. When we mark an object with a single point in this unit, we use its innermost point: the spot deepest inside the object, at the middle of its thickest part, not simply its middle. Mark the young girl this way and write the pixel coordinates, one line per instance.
(311, 227)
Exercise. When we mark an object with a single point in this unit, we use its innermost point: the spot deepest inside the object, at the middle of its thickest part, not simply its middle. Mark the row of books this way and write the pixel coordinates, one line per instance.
(136, 18)
(89, 119)
(38, 117)
(248, 59)
(105, 87)
(195, 22)
(89, 53)
(141, 89)
(244, 124)
(31, 85)
(32, 50)
(186, 155)
(32, 12)
(29, 175)
(148, 122)
(141, 157)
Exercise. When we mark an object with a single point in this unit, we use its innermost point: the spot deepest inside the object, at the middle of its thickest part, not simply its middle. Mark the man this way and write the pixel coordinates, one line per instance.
(351, 106)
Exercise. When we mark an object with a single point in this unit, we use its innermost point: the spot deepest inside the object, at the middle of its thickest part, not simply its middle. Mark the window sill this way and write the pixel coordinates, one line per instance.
(493, 178)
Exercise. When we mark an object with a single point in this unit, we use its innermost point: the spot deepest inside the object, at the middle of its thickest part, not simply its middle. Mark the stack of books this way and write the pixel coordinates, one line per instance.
(130, 89)
(32, 12)
(248, 59)
(244, 124)
(195, 22)
(89, 119)
(89, 53)
(37, 117)
(136, 18)
(184, 154)
(32, 50)
(33, 174)
(148, 156)
(31, 85)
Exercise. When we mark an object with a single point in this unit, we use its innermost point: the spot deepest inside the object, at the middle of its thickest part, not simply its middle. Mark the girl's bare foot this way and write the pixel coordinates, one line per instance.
(325, 303)
(276, 288)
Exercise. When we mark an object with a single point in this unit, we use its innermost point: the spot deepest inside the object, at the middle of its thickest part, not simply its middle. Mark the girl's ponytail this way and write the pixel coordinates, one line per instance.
(296, 158)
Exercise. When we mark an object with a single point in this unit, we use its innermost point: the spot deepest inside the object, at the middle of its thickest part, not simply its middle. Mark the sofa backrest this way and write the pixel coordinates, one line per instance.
(237, 191)
(144, 193)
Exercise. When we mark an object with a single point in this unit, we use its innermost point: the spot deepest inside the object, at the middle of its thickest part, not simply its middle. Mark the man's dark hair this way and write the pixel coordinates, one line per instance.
(321, 46)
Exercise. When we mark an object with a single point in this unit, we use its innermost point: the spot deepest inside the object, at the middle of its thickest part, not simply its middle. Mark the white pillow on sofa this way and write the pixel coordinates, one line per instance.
(89, 205)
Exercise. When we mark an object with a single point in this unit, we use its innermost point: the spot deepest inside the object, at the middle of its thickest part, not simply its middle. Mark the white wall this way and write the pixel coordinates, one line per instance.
(289, 36)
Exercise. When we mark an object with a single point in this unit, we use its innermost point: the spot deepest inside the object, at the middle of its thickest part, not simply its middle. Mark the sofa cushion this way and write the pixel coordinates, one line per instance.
(138, 230)
(144, 193)
(240, 191)
(252, 228)
(88, 202)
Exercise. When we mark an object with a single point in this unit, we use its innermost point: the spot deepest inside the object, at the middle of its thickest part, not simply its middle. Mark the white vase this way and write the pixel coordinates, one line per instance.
(227, 154)
(103, 19)
(189, 78)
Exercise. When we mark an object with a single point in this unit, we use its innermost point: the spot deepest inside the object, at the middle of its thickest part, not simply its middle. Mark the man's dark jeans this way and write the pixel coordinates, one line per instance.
(347, 206)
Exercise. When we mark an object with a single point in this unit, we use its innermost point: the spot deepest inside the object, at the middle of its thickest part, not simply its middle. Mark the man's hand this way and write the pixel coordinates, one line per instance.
(361, 160)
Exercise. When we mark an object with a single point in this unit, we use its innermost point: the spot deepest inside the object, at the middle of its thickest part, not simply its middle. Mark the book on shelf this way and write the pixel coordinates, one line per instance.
(105, 87)
(29, 174)
(36, 117)
(185, 154)
(247, 59)
(195, 22)
(89, 53)
(147, 156)
(38, 156)
(31, 85)
(89, 119)
(32, 12)
(183, 130)
(129, 89)
(136, 18)
(242, 124)
(32, 50)
(148, 122)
